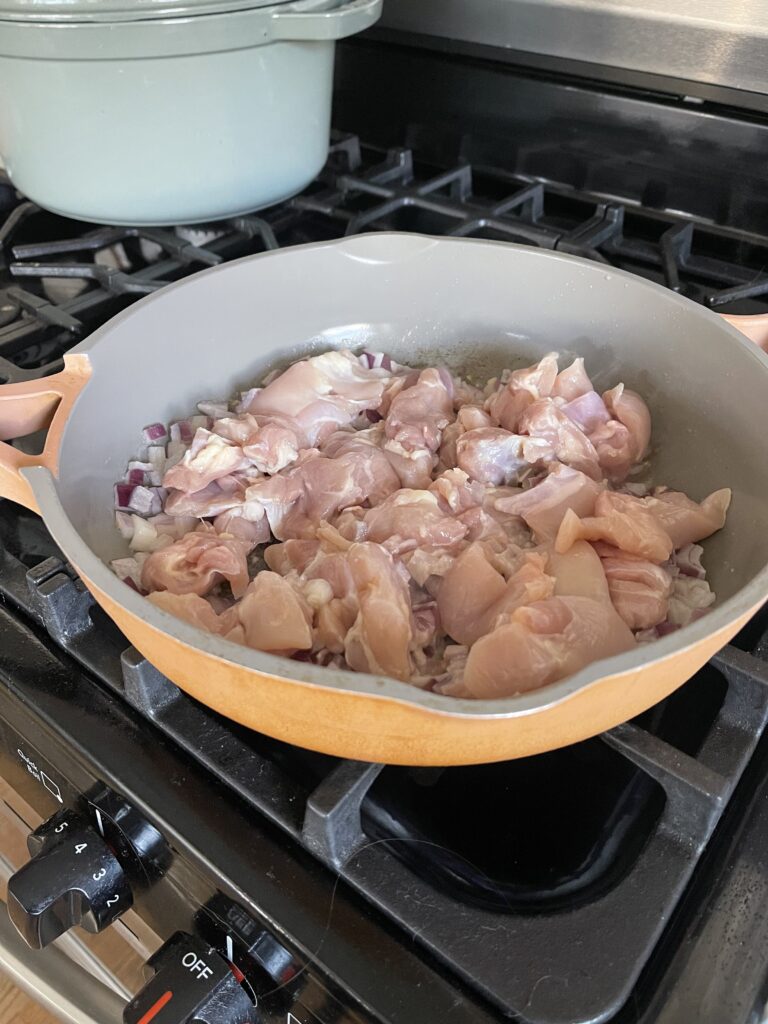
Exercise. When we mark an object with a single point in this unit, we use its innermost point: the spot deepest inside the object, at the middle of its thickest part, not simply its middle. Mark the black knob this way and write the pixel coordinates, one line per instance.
(190, 983)
(73, 878)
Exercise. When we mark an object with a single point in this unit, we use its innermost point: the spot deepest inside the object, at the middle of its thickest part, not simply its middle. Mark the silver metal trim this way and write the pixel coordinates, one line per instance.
(699, 40)
(51, 978)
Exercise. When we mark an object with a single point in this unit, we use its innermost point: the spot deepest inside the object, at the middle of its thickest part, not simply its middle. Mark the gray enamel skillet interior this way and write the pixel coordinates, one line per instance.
(474, 306)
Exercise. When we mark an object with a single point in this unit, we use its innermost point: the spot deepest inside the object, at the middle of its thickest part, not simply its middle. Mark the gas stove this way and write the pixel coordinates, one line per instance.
(222, 876)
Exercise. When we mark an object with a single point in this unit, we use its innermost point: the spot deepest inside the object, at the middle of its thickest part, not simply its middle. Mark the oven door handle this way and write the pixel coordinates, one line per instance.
(64, 988)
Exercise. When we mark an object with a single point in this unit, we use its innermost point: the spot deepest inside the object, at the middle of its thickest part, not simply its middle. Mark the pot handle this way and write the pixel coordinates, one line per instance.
(31, 406)
(753, 327)
(351, 17)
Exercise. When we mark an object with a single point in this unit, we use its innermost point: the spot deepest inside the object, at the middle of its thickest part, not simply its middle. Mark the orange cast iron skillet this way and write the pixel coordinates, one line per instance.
(474, 306)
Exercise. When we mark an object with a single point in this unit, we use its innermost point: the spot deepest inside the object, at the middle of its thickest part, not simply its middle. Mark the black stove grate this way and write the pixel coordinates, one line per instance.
(565, 942)
(362, 188)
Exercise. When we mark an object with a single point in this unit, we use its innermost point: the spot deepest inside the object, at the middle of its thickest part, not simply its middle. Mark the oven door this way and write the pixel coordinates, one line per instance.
(68, 991)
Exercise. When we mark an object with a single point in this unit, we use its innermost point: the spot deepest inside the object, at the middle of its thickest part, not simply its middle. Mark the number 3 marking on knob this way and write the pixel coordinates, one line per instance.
(97, 875)
(113, 901)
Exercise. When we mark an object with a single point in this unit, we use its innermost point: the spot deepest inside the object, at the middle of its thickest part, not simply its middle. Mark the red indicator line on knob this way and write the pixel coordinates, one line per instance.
(153, 1011)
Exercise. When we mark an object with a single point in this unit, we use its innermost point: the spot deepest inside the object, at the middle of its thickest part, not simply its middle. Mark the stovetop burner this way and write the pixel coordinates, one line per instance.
(562, 866)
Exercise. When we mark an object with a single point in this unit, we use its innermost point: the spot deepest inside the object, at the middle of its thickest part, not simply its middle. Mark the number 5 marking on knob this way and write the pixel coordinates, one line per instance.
(98, 875)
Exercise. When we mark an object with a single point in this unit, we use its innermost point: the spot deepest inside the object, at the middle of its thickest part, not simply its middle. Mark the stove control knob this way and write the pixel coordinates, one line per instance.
(191, 982)
(73, 878)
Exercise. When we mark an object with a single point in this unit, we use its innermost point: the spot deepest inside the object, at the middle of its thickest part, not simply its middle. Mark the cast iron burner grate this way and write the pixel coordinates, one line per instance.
(362, 188)
(546, 928)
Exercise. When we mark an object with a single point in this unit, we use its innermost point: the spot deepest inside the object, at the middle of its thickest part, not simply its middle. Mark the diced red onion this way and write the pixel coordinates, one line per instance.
(373, 416)
(146, 501)
(127, 568)
(176, 452)
(376, 361)
(123, 495)
(184, 430)
(665, 628)
(137, 477)
(124, 524)
(155, 433)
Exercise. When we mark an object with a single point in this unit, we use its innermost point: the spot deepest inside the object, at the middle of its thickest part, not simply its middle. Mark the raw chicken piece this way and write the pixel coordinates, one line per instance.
(615, 449)
(197, 562)
(494, 456)
(523, 387)
(211, 501)
(579, 573)
(457, 492)
(425, 563)
(322, 393)
(190, 607)
(473, 594)
(274, 616)
(316, 487)
(621, 520)
(419, 414)
(541, 643)
(208, 458)
(588, 412)
(273, 447)
(360, 449)
(685, 520)
(639, 589)
(572, 382)
(545, 420)
(413, 469)
(543, 506)
(410, 519)
(381, 637)
(469, 417)
(630, 410)
(235, 523)
(269, 442)
(465, 394)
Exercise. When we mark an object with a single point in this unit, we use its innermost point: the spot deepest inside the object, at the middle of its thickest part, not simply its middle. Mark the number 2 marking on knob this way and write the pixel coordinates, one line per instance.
(113, 901)
(97, 875)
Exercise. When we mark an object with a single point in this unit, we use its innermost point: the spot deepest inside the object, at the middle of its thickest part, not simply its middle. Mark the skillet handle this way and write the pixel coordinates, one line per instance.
(753, 327)
(31, 406)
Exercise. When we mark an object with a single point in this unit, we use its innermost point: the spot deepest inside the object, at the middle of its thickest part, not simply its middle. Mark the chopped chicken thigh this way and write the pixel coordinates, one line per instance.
(358, 514)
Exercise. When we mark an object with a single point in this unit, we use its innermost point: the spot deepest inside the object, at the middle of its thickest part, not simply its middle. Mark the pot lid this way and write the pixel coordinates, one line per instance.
(139, 10)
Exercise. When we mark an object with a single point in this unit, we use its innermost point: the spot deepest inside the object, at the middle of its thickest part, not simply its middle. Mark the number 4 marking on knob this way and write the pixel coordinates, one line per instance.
(290, 1019)
(80, 847)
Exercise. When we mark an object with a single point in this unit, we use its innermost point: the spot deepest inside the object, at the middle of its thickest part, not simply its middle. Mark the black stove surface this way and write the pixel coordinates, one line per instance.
(550, 888)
